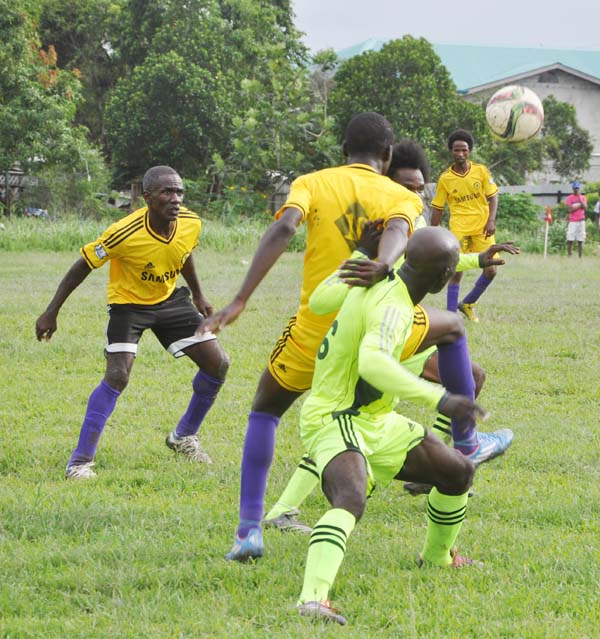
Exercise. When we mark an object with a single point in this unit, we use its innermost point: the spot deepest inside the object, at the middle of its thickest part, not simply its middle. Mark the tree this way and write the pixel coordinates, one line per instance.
(407, 82)
(81, 32)
(568, 146)
(215, 85)
(37, 99)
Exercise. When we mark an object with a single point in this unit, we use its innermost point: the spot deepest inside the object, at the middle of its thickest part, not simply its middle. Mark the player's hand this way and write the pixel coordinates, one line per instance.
(45, 326)
(461, 407)
(363, 272)
(489, 229)
(219, 320)
(370, 236)
(486, 258)
(203, 305)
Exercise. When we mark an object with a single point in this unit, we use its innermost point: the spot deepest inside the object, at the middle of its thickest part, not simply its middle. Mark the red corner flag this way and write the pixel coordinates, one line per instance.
(548, 215)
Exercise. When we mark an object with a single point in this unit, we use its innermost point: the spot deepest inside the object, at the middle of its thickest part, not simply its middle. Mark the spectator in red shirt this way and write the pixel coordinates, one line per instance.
(576, 205)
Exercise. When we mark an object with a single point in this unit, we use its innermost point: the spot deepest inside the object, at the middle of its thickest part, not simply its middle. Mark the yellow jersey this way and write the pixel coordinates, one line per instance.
(335, 204)
(467, 197)
(144, 266)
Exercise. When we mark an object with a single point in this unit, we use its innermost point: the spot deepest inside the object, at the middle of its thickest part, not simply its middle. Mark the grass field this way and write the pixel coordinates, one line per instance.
(138, 553)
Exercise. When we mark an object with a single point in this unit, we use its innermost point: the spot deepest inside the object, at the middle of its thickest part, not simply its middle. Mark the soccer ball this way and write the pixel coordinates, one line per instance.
(514, 113)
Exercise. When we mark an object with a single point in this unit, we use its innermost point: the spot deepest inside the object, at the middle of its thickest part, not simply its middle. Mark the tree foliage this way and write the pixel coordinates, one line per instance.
(81, 32)
(37, 98)
(227, 85)
(568, 146)
(224, 91)
(407, 82)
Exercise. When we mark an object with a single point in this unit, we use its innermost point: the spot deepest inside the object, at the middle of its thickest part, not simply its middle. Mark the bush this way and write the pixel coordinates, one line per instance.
(518, 212)
(64, 192)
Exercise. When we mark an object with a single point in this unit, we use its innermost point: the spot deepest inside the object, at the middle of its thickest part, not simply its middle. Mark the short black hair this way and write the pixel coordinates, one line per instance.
(409, 154)
(463, 135)
(151, 177)
(368, 133)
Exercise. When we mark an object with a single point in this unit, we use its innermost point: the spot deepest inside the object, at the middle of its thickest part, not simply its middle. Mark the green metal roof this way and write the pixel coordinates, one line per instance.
(473, 65)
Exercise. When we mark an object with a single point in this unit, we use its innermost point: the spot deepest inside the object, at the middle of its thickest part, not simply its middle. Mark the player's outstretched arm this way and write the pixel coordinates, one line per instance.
(486, 258)
(272, 244)
(188, 270)
(46, 325)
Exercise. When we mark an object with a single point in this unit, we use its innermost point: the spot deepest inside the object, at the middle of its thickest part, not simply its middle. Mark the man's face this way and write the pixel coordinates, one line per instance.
(166, 197)
(412, 179)
(460, 151)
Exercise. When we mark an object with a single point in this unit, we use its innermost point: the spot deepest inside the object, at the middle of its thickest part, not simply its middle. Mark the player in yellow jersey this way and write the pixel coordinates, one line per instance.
(472, 198)
(349, 427)
(334, 203)
(147, 251)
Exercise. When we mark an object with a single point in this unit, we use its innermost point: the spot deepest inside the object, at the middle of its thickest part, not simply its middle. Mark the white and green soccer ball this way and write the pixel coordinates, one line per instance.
(514, 113)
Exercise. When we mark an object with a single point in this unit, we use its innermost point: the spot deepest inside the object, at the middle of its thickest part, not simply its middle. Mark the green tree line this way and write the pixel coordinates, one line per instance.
(224, 91)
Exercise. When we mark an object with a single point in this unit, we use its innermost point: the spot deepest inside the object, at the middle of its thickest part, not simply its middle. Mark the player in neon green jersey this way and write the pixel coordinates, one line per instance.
(349, 427)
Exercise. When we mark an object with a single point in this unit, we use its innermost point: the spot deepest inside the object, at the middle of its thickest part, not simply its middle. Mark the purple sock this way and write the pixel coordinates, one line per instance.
(456, 375)
(483, 281)
(452, 297)
(259, 447)
(206, 389)
(101, 404)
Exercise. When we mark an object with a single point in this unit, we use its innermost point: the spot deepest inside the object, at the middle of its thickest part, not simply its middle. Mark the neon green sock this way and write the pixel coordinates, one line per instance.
(301, 484)
(445, 514)
(325, 553)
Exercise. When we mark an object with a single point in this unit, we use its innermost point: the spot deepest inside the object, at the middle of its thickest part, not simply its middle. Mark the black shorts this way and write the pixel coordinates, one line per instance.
(173, 321)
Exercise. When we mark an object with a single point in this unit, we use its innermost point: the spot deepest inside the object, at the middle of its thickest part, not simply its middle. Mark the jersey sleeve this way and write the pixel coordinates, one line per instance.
(299, 197)
(489, 186)
(330, 294)
(97, 253)
(409, 207)
(467, 261)
(441, 195)
(387, 327)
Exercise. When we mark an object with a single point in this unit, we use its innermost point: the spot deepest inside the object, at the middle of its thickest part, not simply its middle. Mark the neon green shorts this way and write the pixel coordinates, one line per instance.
(383, 443)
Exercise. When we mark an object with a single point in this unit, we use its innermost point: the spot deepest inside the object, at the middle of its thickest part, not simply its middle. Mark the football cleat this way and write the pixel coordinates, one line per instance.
(250, 547)
(188, 447)
(287, 521)
(458, 561)
(491, 445)
(321, 611)
(468, 310)
(80, 471)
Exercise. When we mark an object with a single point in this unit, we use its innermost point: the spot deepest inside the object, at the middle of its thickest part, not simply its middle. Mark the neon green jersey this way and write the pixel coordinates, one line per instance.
(357, 367)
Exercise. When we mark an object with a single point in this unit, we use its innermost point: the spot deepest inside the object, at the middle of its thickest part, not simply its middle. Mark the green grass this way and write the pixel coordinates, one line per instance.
(139, 552)
(69, 233)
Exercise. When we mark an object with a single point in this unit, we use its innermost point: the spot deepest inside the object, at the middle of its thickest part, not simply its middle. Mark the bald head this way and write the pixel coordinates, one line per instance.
(431, 257)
